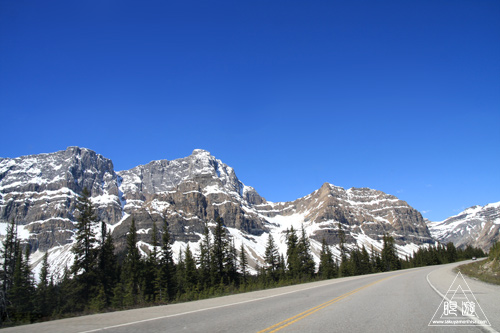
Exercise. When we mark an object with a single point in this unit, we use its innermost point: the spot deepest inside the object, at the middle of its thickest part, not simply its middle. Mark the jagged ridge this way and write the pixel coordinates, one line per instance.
(477, 226)
(39, 192)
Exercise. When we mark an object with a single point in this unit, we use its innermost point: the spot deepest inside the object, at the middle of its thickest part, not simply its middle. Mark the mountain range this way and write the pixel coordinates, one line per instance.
(477, 226)
(39, 193)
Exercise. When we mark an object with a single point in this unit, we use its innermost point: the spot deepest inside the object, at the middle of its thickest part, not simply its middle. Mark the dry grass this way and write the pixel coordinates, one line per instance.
(485, 270)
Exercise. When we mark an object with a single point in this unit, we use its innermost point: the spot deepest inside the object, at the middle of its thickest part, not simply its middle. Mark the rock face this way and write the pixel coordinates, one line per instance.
(362, 212)
(478, 226)
(39, 192)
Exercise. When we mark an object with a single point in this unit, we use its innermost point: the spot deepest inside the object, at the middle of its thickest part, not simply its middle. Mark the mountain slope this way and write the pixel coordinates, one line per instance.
(39, 192)
(478, 226)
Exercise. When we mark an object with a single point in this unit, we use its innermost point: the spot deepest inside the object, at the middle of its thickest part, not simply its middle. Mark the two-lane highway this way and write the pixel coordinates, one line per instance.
(401, 301)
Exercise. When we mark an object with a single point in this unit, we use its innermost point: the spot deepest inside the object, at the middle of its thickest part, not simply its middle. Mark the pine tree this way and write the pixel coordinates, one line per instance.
(99, 301)
(341, 235)
(390, 260)
(131, 268)
(118, 300)
(292, 253)
(167, 266)
(219, 249)
(180, 274)
(307, 265)
(451, 252)
(243, 265)
(375, 261)
(326, 269)
(152, 275)
(22, 288)
(355, 262)
(85, 264)
(44, 272)
(271, 258)
(191, 276)
(108, 270)
(282, 268)
(205, 258)
(9, 252)
(366, 267)
(230, 265)
(344, 269)
(43, 304)
(68, 299)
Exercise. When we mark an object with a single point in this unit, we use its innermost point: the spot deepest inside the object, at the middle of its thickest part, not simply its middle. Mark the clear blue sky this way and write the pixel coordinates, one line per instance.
(399, 96)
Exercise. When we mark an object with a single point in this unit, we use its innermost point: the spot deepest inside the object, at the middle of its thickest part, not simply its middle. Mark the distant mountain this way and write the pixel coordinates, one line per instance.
(39, 192)
(478, 226)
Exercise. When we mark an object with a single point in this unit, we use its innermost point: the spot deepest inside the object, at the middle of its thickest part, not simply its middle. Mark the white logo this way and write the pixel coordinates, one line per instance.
(459, 307)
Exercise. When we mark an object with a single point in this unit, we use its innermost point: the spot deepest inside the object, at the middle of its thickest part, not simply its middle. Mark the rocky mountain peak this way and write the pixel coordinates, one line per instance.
(210, 174)
(73, 168)
(39, 192)
(201, 152)
(478, 226)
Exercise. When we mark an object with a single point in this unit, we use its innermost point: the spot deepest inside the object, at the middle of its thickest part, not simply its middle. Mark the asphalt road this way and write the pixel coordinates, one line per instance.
(401, 301)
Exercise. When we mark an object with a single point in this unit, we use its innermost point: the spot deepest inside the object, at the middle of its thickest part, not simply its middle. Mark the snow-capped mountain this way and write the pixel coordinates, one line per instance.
(39, 192)
(478, 226)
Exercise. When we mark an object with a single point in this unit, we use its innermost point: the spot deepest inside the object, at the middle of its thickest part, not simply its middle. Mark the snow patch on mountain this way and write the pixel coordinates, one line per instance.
(477, 226)
(40, 192)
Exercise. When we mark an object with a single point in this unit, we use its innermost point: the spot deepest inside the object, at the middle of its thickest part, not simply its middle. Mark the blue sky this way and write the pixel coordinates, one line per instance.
(399, 96)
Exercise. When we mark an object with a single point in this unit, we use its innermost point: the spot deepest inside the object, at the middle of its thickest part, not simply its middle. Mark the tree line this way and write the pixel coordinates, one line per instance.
(100, 280)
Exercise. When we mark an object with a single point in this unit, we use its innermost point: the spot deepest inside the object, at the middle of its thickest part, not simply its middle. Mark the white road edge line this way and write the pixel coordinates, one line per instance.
(486, 328)
(199, 310)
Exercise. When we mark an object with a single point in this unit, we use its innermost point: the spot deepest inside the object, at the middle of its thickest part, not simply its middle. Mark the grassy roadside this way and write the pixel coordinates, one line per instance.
(485, 270)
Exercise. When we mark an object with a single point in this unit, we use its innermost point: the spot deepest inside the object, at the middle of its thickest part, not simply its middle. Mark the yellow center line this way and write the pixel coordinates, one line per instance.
(302, 315)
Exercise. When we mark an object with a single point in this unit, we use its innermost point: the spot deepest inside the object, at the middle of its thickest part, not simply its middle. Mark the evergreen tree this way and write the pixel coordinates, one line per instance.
(271, 258)
(230, 265)
(451, 250)
(360, 261)
(307, 265)
(326, 269)
(292, 253)
(219, 250)
(44, 272)
(365, 264)
(341, 235)
(243, 265)
(390, 260)
(108, 270)
(118, 300)
(155, 243)
(205, 258)
(167, 266)
(345, 267)
(22, 288)
(151, 274)
(190, 275)
(354, 262)
(131, 268)
(98, 302)
(282, 268)
(68, 294)
(9, 252)
(373, 259)
(43, 304)
(85, 264)
(180, 275)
